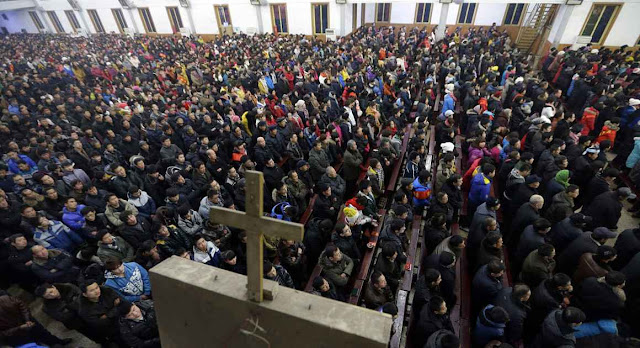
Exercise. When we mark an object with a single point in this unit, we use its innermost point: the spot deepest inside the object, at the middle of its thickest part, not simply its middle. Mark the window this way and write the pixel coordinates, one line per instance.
(36, 20)
(95, 19)
(222, 13)
(279, 18)
(71, 16)
(466, 14)
(120, 21)
(56, 21)
(599, 22)
(320, 18)
(175, 19)
(423, 12)
(147, 21)
(383, 12)
(513, 14)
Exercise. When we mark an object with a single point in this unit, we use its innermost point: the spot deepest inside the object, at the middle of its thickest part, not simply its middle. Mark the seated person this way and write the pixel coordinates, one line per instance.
(324, 288)
(205, 251)
(336, 266)
(138, 326)
(61, 303)
(130, 280)
(112, 246)
(277, 273)
(98, 308)
(377, 292)
(53, 266)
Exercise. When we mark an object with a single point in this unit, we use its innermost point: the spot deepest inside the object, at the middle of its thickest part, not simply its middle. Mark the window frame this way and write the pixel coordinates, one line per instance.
(313, 18)
(37, 21)
(55, 20)
(522, 14)
(473, 17)
(175, 19)
(272, 8)
(385, 6)
(612, 20)
(73, 20)
(150, 27)
(96, 21)
(121, 26)
(425, 4)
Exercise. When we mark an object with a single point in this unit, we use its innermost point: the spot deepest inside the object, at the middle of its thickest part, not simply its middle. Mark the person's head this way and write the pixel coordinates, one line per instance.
(490, 224)
(562, 282)
(497, 314)
(615, 279)
(432, 277)
(437, 305)
(489, 170)
(129, 218)
(573, 191)
(112, 200)
(71, 204)
(343, 230)
(493, 203)
(200, 242)
(114, 265)
(333, 253)
(397, 226)
(547, 251)
(542, 226)
(496, 268)
(90, 289)
(521, 292)
(536, 201)
(39, 252)
(321, 284)
(573, 316)
(494, 239)
(442, 197)
(424, 176)
(268, 270)
(47, 291)
(610, 174)
(533, 181)
(378, 281)
(18, 241)
(623, 193)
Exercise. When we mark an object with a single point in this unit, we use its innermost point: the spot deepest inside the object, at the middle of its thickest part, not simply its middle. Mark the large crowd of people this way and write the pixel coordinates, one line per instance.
(116, 148)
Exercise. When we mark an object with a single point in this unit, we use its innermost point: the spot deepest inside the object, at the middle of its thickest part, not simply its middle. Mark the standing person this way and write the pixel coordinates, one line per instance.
(352, 167)
(558, 328)
(17, 326)
(480, 188)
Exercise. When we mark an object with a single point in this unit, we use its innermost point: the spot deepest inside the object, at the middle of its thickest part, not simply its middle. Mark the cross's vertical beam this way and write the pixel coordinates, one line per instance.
(254, 200)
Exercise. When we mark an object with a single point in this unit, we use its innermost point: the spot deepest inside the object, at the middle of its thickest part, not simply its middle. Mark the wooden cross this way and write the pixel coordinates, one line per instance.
(257, 226)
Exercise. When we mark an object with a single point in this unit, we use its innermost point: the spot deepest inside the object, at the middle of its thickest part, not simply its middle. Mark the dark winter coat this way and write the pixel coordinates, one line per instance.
(484, 287)
(535, 269)
(627, 245)
(561, 207)
(141, 333)
(487, 330)
(563, 233)
(428, 324)
(517, 310)
(605, 210)
(530, 240)
(568, 259)
(555, 333)
(599, 300)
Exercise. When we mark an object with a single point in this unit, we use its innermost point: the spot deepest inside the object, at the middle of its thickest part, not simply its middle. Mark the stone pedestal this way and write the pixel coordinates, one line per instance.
(203, 306)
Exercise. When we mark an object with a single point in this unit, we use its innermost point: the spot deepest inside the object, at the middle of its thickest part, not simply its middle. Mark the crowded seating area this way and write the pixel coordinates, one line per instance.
(472, 194)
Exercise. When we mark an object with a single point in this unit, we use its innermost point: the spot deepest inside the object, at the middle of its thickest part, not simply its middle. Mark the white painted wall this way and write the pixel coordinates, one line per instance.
(625, 30)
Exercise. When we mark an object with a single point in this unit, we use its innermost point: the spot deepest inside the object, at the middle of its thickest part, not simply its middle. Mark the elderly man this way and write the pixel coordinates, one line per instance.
(333, 180)
(53, 265)
(525, 216)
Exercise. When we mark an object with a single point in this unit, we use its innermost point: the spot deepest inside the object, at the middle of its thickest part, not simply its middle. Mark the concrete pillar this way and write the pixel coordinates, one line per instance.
(343, 17)
(442, 24)
(562, 22)
(259, 16)
(134, 24)
(192, 24)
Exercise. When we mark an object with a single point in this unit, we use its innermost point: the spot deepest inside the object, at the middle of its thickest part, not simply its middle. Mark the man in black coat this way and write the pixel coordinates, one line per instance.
(550, 295)
(486, 284)
(137, 324)
(567, 230)
(606, 208)
(588, 242)
(627, 245)
(98, 308)
(445, 263)
(326, 205)
(599, 184)
(135, 230)
(525, 216)
(316, 235)
(433, 317)
(602, 298)
(514, 301)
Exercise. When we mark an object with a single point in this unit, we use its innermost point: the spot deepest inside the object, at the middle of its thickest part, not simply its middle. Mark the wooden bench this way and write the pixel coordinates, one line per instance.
(399, 162)
(401, 303)
(367, 261)
(306, 216)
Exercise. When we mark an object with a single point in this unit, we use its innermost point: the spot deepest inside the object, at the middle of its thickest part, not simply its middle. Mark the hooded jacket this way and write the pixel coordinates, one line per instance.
(333, 270)
(73, 219)
(480, 189)
(517, 310)
(145, 204)
(487, 330)
(134, 284)
(555, 332)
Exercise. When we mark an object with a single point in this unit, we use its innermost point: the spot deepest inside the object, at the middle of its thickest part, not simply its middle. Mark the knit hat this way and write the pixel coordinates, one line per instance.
(492, 202)
(301, 163)
(447, 147)
(351, 215)
(533, 179)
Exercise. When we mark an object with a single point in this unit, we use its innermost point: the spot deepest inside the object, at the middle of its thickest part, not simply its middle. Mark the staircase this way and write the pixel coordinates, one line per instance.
(538, 19)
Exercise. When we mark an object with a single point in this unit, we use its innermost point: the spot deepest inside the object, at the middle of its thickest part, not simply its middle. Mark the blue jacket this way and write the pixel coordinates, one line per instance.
(624, 115)
(449, 104)
(595, 328)
(421, 193)
(57, 236)
(634, 156)
(134, 284)
(74, 219)
(13, 165)
(487, 330)
(480, 189)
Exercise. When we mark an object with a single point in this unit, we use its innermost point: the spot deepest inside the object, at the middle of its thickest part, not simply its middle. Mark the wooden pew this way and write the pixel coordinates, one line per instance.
(306, 216)
(401, 303)
(399, 162)
(367, 261)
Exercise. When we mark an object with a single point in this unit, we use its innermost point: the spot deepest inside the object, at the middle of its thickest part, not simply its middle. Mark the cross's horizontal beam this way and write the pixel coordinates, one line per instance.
(268, 226)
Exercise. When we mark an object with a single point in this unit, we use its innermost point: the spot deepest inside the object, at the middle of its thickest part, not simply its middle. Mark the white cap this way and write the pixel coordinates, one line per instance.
(634, 102)
(520, 79)
(447, 147)
(448, 113)
(595, 51)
